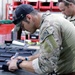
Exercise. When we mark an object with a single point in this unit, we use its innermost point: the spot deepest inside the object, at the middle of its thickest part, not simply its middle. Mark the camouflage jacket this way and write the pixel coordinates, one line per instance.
(57, 46)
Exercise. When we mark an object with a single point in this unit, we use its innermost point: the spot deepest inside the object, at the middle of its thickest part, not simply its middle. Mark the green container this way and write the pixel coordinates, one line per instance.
(5, 21)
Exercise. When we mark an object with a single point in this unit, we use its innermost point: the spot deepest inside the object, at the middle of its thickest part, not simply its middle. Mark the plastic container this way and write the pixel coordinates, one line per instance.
(5, 22)
(44, 6)
(55, 8)
(34, 4)
(5, 32)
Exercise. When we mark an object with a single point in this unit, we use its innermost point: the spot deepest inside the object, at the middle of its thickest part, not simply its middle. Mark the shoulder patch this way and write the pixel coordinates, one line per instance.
(46, 33)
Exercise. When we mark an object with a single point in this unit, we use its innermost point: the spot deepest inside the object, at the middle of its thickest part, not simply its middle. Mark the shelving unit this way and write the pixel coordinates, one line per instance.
(41, 5)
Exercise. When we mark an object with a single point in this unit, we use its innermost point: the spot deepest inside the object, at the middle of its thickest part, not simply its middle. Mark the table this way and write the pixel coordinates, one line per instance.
(18, 72)
(4, 49)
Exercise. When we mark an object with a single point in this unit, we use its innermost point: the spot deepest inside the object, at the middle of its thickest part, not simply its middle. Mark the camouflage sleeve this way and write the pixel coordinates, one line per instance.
(50, 49)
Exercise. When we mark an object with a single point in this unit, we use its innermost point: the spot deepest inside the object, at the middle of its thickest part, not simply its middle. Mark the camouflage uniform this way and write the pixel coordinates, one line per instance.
(72, 19)
(57, 48)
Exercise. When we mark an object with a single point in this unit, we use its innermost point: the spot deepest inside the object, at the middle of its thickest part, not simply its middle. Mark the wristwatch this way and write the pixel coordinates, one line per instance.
(18, 63)
(26, 58)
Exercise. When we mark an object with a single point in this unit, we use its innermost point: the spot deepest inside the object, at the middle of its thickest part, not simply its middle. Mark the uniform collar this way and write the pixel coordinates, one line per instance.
(71, 18)
(44, 16)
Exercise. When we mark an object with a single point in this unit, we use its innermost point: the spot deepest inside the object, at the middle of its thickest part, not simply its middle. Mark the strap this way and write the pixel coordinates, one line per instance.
(18, 63)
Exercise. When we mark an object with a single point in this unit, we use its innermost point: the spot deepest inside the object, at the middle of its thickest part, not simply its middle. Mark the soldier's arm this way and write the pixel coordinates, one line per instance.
(50, 50)
(30, 58)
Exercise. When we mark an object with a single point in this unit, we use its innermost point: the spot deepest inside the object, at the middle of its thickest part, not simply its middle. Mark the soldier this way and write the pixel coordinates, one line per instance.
(67, 7)
(57, 42)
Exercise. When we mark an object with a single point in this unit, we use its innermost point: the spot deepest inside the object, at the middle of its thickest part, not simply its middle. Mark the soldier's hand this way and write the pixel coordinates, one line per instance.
(12, 65)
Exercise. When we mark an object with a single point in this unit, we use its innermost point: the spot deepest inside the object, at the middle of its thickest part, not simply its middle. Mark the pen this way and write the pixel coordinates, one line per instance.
(13, 57)
(16, 54)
